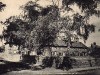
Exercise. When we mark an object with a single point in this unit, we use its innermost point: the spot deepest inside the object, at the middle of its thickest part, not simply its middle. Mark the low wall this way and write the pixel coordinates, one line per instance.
(82, 63)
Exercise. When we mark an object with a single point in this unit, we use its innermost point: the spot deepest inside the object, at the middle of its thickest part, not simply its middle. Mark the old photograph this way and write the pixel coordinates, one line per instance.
(49, 37)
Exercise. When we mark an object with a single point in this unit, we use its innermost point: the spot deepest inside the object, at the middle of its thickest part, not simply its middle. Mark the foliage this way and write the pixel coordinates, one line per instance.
(80, 21)
(95, 50)
(31, 10)
(88, 7)
(2, 6)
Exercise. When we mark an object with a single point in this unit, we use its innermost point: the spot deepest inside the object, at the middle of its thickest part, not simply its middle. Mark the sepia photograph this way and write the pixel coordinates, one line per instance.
(49, 37)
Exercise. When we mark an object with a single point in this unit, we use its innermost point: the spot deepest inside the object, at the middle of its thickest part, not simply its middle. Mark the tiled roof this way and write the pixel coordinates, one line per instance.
(78, 45)
(60, 43)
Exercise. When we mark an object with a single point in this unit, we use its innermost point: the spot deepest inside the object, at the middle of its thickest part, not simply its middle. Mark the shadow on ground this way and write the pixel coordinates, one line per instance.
(6, 66)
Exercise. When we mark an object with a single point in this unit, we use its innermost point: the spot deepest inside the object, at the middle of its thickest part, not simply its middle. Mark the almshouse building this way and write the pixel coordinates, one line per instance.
(63, 45)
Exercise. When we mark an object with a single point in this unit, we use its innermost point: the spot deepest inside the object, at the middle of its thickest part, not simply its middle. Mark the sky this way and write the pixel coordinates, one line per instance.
(13, 9)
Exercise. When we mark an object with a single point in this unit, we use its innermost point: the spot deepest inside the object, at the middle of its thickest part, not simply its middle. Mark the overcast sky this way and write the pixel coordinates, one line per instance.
(13, 9)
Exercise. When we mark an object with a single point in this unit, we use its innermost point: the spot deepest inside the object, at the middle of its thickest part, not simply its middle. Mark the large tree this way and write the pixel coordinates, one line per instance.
(39, 26)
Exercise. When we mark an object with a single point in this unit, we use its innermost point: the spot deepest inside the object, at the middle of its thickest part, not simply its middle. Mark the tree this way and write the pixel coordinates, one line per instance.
(88, 7)
(95, 50)
(2, 6)
(31, 10)
(38, 26)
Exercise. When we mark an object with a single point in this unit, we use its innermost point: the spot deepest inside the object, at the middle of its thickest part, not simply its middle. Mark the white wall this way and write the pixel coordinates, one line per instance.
(9, 55)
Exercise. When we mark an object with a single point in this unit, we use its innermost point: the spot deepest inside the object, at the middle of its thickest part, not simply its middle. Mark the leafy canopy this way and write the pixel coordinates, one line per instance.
(38, 26)
(2, 6)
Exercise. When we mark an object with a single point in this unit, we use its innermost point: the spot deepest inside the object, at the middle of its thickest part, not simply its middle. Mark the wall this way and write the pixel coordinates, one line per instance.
(86, 62)
(10, 54)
